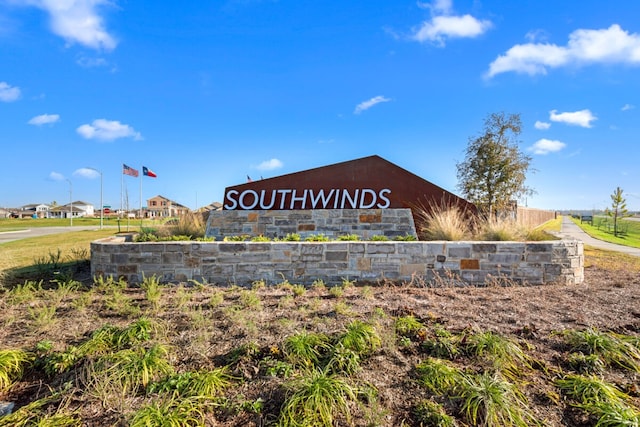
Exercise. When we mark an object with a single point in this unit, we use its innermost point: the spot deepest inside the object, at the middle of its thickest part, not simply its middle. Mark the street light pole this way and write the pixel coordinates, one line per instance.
(70, 202)
(101, 203)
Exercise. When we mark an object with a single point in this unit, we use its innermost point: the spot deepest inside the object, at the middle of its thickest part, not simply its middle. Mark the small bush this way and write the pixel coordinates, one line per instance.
(317, 238)
(405, 238)
(379, 238)
(349, 237)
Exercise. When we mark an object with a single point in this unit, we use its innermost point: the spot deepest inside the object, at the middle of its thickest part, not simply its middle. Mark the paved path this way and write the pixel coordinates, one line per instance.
(571, 231)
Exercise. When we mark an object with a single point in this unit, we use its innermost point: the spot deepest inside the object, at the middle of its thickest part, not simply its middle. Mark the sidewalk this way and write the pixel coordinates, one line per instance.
(570, 231)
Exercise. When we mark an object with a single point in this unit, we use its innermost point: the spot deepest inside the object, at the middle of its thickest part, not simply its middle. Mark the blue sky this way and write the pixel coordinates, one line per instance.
(207, 93)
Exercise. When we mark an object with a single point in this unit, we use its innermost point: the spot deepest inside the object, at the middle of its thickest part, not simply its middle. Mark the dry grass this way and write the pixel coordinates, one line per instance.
(443, 223)
(450, 223)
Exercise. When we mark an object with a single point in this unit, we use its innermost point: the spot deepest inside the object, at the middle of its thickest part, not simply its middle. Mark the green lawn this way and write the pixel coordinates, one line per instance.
(12, 224)
(602, 229)
(25, 252)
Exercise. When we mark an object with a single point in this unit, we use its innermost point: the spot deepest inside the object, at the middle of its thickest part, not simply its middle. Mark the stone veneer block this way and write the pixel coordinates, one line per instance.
(469, 264)
(331, 222)
(243, 262)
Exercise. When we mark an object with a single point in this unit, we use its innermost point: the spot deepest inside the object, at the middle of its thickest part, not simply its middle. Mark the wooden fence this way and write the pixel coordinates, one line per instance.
(531, 217)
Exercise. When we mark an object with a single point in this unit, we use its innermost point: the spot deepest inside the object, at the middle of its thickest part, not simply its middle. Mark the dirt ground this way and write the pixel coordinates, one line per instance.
(204, 334)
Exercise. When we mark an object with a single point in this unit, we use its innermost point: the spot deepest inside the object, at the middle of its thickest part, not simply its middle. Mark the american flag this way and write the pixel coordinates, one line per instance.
(129, 170)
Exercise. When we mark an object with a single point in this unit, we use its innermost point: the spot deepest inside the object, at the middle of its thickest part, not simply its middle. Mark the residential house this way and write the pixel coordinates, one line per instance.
(162, 207)
(80, 209)
(34, 210)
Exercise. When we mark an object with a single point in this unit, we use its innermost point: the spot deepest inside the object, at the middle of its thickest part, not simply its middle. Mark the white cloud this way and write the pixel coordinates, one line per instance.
(444, 25)
(542, 125)
(546, 146)
(581, 118)
(365, 105)
(44, 119)
(77, 21)
(612, 45)
(271, 164)
(627, 107)
(86, 62)
(55, 176)
(108, 130)
(8, 93)
(86, 173)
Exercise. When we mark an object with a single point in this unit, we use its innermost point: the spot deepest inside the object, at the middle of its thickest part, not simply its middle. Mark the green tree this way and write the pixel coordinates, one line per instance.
(494, 170)
(618, 209)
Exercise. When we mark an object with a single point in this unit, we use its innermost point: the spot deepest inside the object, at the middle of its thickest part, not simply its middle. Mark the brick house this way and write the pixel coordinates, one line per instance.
(162, 207)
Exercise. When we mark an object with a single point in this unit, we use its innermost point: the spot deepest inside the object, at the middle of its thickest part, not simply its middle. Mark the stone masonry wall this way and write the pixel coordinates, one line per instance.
(330, 222)
(423, 263)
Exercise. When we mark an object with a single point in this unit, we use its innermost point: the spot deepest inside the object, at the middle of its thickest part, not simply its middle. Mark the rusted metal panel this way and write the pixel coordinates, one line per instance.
(370, 183)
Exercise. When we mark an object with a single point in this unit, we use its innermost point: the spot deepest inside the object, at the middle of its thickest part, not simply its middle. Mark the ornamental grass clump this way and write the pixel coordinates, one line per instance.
(613, 349)
(430, 413)
(171, 413)
(317, 398)
(438, 376)
(600, 399)
(205, 384)
(489, 400)
(504, 354)
(12, 364)
(408, 326)
(306, 349)
(443, 223)
(360, 337)
(134, 369)
(500, 229)
(190, 224)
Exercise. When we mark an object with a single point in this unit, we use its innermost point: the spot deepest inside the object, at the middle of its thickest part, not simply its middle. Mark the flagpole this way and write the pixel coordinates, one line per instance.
(141, 175)
(121, 189)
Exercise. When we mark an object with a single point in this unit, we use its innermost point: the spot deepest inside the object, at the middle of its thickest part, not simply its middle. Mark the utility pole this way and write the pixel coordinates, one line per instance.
(70, 202)
(101, 202)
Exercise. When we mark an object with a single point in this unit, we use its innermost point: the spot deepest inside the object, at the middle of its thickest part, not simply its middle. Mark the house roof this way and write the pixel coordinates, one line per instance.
(173, 203)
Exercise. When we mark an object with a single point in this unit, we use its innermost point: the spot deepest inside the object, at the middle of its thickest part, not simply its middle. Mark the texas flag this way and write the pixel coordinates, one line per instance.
(148, 172)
